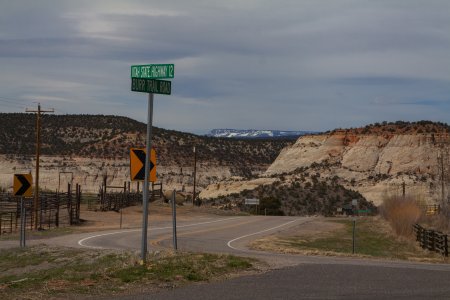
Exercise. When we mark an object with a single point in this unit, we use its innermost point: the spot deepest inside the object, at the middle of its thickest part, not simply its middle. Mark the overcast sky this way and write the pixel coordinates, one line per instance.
(289, 65)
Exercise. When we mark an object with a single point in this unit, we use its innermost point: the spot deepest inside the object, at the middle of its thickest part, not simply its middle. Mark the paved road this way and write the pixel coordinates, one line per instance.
(318, 281)
(215, 234)
(294, 277)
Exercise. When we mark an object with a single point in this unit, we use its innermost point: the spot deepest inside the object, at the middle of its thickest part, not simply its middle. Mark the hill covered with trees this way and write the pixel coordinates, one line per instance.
(111, 137)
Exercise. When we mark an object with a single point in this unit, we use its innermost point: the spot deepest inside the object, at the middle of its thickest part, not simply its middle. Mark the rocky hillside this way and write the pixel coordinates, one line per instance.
(91, 146)
(303, 193)
(374, 160)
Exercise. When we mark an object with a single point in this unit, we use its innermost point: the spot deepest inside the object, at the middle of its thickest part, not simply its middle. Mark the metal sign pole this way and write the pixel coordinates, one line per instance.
(147, 175)
(22, 223)
(174, 218)
(353, 235)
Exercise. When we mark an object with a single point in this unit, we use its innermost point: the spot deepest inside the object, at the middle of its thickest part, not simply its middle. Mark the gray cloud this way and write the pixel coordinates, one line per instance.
(311, 65)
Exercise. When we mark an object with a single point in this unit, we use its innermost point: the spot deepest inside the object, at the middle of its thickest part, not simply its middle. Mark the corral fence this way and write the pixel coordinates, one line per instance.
(121, 197)
(432, 240)
(54, 210)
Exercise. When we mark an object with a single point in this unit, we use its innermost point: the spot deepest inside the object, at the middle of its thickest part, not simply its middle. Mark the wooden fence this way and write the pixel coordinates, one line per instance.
(55, 210)
(107, 201)
(432, 240)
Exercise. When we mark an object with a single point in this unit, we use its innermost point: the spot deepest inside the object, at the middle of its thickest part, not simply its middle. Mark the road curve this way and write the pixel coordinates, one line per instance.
(292, 277)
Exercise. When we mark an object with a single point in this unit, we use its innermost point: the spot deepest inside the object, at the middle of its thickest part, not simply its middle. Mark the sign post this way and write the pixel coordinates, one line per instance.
(147, 175)
(22, 223)
(143, 80)
(174, 219)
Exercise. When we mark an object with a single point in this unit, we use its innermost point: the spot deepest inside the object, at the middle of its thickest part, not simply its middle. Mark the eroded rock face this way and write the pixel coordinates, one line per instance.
(373, 164)
(365, 153)
(57, 171)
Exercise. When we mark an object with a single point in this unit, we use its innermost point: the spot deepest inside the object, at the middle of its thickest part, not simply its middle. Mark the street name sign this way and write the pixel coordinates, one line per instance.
(23, 185)
(151, 86)
(157, 71)
(137, 164)
(144, 80)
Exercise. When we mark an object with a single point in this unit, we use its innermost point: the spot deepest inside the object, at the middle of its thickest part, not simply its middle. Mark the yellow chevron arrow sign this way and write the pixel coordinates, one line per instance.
(23, 185)
(137, 164)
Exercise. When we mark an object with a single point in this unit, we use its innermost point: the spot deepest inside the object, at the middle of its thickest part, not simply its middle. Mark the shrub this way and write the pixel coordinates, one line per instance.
(272, 206)
(402, 213)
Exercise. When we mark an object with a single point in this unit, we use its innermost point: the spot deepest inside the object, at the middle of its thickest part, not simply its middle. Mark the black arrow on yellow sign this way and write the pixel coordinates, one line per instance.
(137, 164)
(22, 185)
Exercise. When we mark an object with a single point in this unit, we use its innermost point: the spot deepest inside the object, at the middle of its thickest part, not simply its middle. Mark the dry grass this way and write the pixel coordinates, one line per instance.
(374, 238)
(42, 272)
(402, 213)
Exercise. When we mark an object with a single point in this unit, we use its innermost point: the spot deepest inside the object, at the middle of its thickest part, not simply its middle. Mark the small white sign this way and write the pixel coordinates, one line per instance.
(355, 202)
(252, 201)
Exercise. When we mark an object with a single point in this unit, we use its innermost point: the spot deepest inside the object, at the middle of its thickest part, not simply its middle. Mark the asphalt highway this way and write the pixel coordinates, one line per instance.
(291, 277)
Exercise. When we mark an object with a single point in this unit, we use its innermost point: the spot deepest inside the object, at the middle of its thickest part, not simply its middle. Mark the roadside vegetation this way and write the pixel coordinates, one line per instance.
(374, 238)
(41, 272)
(111, 137)
(301, 193)
(401, 213)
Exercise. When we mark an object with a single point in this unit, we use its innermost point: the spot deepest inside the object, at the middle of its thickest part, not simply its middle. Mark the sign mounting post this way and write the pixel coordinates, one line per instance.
(143, 79)
(147, 174)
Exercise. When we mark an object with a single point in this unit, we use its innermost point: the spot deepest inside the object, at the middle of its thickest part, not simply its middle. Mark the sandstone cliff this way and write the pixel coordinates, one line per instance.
(374, 160)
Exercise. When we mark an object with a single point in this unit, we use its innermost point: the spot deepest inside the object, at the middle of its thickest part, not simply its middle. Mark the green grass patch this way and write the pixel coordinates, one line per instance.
(185, 267)
(40, 271)
(372, 238)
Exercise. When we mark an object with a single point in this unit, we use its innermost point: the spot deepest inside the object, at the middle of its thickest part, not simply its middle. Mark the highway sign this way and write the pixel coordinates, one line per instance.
(23, 185)
(157, 71)
(137, 164)
(152, 86)
(252, 201)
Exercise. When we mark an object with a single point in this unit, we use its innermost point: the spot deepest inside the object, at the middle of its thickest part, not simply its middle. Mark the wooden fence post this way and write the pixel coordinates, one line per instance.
(79, 203)
(446, 245)
(57, 210)
(69, 202)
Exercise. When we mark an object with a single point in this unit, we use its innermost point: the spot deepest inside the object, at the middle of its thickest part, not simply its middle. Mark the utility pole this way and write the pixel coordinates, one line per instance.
(404, 189)
(195, 174)
(38, 112)
(441, 168)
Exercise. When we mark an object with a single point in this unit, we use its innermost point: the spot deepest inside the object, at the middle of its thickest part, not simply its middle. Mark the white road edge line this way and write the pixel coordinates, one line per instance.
(255, 233)
(80, 242)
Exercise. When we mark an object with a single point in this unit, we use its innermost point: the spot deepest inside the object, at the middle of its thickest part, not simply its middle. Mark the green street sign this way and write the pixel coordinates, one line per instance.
(153, 71)
(151, 86)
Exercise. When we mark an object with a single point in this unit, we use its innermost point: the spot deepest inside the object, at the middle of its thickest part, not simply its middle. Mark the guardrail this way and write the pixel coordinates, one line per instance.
(432, 240)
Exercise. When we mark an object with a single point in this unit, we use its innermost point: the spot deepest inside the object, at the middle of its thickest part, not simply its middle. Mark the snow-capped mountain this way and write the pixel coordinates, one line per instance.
(255, 134)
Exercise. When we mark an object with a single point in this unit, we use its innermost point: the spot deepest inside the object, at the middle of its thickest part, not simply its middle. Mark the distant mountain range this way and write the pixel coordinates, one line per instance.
(257, 134)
